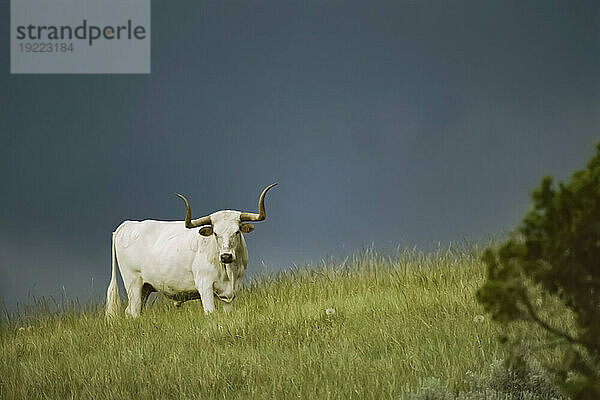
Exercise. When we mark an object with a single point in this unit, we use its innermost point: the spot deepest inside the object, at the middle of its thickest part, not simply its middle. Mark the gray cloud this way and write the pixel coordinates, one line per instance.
(384, 122)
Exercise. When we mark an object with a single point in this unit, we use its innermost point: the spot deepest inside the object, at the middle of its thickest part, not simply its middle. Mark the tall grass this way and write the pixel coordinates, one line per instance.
(398, 321)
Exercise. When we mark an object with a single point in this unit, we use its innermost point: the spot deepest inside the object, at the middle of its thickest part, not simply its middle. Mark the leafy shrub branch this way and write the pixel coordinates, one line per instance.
(550, 269)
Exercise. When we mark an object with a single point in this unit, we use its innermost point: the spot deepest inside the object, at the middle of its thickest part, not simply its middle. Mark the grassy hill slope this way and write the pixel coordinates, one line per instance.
(397, 321)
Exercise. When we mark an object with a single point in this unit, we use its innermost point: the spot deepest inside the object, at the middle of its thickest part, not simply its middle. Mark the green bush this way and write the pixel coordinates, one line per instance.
(525, 380)
(549, 272)
(431, 389)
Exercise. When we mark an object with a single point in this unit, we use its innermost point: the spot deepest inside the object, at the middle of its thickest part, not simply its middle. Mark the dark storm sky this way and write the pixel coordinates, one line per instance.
(385, 122)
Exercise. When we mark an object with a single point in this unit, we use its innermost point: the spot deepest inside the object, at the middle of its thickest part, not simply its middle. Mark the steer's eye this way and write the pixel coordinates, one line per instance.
(237, 232)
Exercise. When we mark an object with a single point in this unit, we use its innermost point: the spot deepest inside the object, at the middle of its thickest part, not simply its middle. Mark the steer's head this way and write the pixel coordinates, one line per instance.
(227, 227)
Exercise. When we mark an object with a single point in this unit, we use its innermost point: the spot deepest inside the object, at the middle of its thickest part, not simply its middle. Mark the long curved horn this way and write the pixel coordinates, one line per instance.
(262, 214)
(189, 223)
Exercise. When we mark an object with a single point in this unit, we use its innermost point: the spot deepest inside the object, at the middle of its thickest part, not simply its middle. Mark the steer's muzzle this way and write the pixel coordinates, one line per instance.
(226, 258)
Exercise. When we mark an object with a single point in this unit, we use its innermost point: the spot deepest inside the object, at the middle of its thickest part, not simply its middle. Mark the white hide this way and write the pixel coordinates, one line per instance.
(178, 262)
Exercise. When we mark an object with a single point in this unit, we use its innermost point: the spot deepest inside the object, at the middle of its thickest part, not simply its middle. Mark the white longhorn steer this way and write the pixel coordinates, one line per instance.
(171, 258)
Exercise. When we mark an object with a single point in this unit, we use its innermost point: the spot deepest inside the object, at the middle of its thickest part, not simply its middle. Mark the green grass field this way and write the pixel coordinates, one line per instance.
(398, 321)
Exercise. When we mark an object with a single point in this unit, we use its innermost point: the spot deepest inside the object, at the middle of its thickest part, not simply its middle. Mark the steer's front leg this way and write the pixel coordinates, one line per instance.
(205, 288)
(227, 307)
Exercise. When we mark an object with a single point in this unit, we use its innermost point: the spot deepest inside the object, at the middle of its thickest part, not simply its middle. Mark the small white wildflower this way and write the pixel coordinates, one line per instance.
(478, 318)
(330, 311)
(21, 329)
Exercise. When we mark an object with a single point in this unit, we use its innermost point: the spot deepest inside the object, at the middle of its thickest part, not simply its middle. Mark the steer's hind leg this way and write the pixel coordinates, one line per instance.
(146, 290)
(135, 293)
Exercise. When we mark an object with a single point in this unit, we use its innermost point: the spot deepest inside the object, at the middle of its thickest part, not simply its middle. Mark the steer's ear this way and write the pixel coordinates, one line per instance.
(247, 228)
(206, 230)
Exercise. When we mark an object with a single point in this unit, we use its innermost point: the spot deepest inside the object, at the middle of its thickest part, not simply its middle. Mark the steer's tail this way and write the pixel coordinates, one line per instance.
(112, 294)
